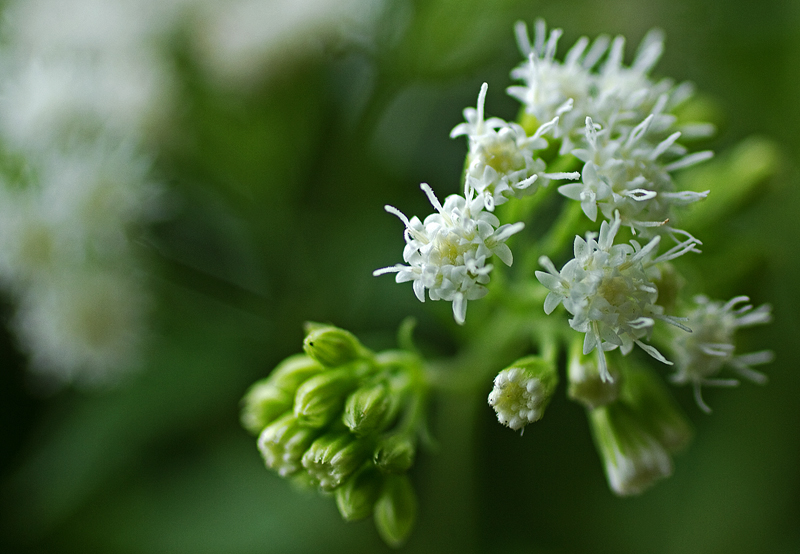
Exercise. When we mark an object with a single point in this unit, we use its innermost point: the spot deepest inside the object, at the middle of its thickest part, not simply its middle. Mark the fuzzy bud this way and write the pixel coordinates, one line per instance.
(332, 346)
(262, 404)
(655, 408)
(333, 457)
(396, 510)
(522, 391)
(395, 453)
(633, 458)
(357, 496)
(369, 409)
(320, 399)
(586, 384)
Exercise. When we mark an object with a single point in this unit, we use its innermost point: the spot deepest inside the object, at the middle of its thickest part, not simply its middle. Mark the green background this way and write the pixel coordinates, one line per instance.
(277, 194)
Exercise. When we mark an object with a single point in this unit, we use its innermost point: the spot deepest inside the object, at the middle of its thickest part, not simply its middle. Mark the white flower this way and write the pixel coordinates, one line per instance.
(501, 162)
(448, 252)
(554, 89)
(626, 175)
(609, 291)
(701, 355)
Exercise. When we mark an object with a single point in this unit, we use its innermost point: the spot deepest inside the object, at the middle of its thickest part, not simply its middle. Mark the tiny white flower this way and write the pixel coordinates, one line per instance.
(626, 175)
(447, 253)
(609, 291)
(501, 162)
(701, 355)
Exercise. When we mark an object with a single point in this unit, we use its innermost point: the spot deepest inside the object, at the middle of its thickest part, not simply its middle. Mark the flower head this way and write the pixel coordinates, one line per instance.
(700, 356)
(447, 253)
(608, 288)
(501, 161)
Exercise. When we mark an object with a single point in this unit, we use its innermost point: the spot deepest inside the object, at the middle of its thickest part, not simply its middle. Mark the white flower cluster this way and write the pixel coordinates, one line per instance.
(447, 253)
(616, 120)
(501, 162)
(81, 83)
(701, 355)
(609, 291)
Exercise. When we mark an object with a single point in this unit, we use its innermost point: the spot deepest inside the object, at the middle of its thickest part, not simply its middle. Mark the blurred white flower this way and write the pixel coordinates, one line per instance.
(701, 355)
(240, 40)
(83, 327)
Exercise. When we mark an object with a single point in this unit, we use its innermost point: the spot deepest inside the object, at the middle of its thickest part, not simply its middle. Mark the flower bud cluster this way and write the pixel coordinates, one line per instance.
(345, 420)
(616, 120)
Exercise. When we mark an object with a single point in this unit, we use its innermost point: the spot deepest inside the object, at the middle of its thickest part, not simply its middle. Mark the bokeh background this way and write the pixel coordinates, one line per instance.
(288, 126)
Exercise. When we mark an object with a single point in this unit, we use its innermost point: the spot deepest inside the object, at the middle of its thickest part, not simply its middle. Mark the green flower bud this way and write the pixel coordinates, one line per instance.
(283, 442)
(585, 382)
(396, 510)
(320, 399)
(332, 346)
(395, 453)
(655, 408)
(294, 371)
(522, 391)
(633, 458)
(369, 409)
(262, 404)
(333, 457)
(357, 496)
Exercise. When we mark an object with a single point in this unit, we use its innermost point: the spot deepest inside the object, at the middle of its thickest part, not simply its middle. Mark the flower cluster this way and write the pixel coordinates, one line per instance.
(609, 291)
(614, 119)
(447, 253)
(345, 420)
(81, 83)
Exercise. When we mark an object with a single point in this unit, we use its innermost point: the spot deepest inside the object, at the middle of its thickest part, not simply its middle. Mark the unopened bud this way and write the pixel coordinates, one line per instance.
(396, 510)
(633, 459)
(357, 496)
(333, 457)
(262, 404)
(395, 453)
(320, 399)
(294, 371)
(369, 409)
(522, 391)
(283, 442)
(655, 408)
(586, 384)
(332, 346)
